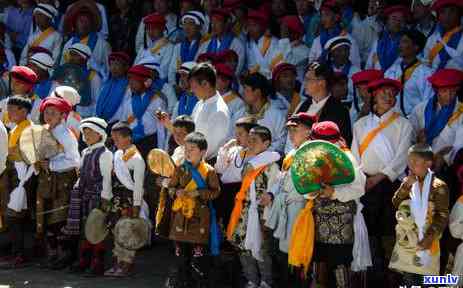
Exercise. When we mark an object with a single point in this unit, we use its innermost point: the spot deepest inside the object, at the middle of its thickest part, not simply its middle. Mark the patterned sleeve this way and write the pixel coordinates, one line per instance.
(441, 211)
(213, 189)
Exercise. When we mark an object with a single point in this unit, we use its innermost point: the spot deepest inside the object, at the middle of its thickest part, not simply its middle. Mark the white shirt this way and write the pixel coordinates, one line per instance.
(53, 43)
(179, 155)
(227, 162)
(266, 62)
(432, 41)
(176, 61)
(150, 122)
(366, 35)
(105, 162)
(212, 118)
(296, 53)
(316, 107)
(446, 138)
(171, 26)
(70, 158)
(163, 56)
(235, 104)
(317, 50)
(3, 147)
(138, 166)
(399, 136)
(416, 90)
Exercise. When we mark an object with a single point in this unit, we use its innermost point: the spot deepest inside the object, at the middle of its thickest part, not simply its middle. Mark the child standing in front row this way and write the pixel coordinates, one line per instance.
(422, 202)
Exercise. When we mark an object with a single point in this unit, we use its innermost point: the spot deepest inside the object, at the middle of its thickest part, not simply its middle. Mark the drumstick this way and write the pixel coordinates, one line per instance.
(53, 210)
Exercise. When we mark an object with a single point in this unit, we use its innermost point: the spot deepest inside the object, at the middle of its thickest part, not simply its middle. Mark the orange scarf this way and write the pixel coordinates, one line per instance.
(373, 133)
(240, 197)
(43, 35)
(439, 46)
(302, 241)
(160, 43)
(409, 71)
(456, 114)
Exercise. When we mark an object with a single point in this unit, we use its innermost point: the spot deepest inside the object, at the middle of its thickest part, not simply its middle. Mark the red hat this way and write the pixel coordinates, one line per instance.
(121, 56)
(220, 13)
(439, 4)
(24, 74)
(301, 118)
(227, 54)
(293, 23)
(366, 76)
(232, 4)
(330, 5)
(396, 9)
(140, 72)
(259, 16)
(280, 68)
(224, 70)
(446, 78)
(384, 82)
(207, 57)
(155, 19)
(326, 130)
(63, 105)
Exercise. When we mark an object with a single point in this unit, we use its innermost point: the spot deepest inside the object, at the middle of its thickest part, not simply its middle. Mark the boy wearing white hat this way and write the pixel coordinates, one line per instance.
(194, 27)
(42, 64)
(70, 94)
(93, 191)
(43, 34)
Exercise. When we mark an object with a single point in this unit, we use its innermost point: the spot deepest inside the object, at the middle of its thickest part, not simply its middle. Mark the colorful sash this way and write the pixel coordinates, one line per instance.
(159, 45)
(90, 40)
(229, 97)
(373, 133)
(407, 72)
(450, 38)
(225, 43)
(42, 36)
(435, 122)
(140, 104)
(387, 49)
(42, 89)
(111, 96)
(189, 50)
(15, 134)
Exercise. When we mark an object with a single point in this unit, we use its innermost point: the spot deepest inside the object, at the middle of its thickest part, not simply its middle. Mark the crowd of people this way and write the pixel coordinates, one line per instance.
(232, 90)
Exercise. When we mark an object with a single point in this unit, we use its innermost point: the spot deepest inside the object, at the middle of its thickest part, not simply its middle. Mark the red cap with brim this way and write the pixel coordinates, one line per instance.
(24, 74)
(120, 56)
(294, 24)
(259, 17)
(384, 82)
(280, 68)
(326, 130)
(140, 72)
(63, 105)
(302, 118)
(224, 70)
(367, 76)
(396, 9)
(155, 19)
(439, 4)
(446, 78)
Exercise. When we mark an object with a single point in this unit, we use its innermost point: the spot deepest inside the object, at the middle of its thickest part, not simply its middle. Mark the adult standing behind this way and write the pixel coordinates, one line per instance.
(18, 22)
(317, 82)
(123, 28)
(211, 114)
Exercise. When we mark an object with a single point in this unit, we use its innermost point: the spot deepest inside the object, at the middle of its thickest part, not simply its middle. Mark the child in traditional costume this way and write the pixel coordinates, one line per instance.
(423, 209)
(16, 184)
(128, 190)
(71, 95)
(42, 64)
(246, 229)
(43, 33)
(92, 191)
(381, 141)
(341, 238)
(56, 178)
(288, 202)
(193, 185)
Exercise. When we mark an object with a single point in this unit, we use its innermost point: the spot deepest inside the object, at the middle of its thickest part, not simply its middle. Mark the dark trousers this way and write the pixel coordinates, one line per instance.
(226, 201)
(289, 276)
(146, 144)
(16, 234)
(191, 268)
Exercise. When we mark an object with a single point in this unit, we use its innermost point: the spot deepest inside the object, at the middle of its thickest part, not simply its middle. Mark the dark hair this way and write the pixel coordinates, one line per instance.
(184, 121)
(204, 72)
(423, 151)
(22, 102)
(122, 128)
(322, 70)
(247, 123)
(339, 77)
(258, 81)
(263, 133)
(198, 139)
(417, 37)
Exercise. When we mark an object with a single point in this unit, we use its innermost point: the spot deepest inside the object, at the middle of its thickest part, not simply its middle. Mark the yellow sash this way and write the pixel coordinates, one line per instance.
(456, 114)
(287, 162)
(439, 46)
(130, 153)
(409, 71)
(248, 179)
(294, 102)
(373, 133)
(16, 133)
(186, 203)
(275, 61)
(229, 97)
(237, 28)
(160, 43)
(43, 35)
(265, 45)
(205, 38)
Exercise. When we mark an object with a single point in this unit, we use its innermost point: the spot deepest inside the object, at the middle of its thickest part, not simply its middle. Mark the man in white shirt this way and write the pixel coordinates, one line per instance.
(211, 114)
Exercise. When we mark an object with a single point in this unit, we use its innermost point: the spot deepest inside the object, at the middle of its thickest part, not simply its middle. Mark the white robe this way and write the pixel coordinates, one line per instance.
(53, 43)
(454, 53)
(236, 45)
(171, 26)
(266, 62)
(163, 57)
(316, 51)
(176, 61)
(296, 53)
